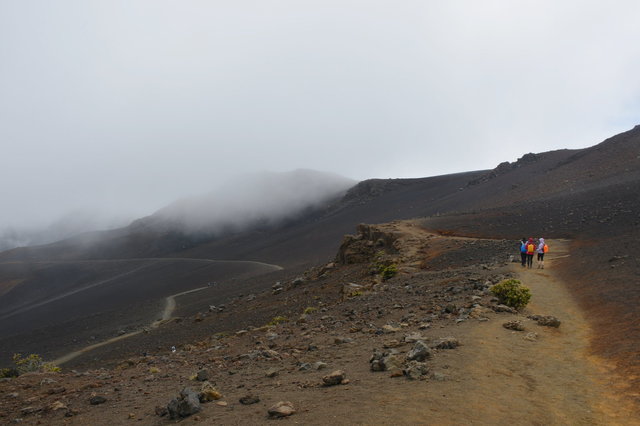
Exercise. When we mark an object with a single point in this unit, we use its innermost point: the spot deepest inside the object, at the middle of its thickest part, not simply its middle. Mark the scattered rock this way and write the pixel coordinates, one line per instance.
(504, 308)
(30, 410)
(208, 393)
(335, 378)
(281, 409)
(384, 361)
(202, 375)
(413, 337)
(438, 377)
(319, 365)
(96, 400)
(419, 352)
(514, 325)
(446, 343)
(249, 399)
(56, 405)
(546, 320)
(388, 328)
(272, 372)
(161, 411)
(416, 370)
(532, 337)
(185, 405)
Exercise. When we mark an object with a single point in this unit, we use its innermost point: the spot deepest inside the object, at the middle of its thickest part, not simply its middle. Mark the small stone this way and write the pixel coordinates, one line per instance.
(30, 410)
(208, 393)
(335, 378)
(319, 365)
(504, 308)
(161, 411)
(390, 329)
(202, 375)
(281, 409)
(532, 337)
(272, 372)
(419, 352)
(546, 320)
(222, 403)
(514, 325)
(416, 370)
(446, 343)
(56, 405)
(438, 377)
(249, 399)
(96, 400)
(413, 337)
(305, 366)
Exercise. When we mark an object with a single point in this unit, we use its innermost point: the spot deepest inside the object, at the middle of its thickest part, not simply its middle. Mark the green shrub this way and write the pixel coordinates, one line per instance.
(389, 272)
(277, 320)
(33, 362)
(512, 293)
(8, 372)
(309, 310)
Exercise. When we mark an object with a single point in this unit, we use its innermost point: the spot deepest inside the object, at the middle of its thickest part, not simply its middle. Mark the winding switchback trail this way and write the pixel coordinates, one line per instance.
(166, 316)
(154, 262)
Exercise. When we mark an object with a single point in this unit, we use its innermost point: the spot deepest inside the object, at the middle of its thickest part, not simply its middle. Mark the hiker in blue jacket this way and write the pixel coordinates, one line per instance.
(523, 251)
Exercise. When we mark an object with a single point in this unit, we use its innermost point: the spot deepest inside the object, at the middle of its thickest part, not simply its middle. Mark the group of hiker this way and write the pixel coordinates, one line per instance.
(529, 247)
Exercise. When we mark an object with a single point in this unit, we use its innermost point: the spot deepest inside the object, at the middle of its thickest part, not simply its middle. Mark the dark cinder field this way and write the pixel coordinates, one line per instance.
(57, 298)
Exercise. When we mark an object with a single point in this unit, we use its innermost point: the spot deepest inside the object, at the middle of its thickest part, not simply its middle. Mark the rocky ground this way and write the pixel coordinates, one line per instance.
(341, 344)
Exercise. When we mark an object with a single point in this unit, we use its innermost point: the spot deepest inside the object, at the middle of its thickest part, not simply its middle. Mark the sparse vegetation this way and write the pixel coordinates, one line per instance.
(33, 362)
(355, 293)
(512, 293)
(309, 310)
(389, 271)
(8, 372)
(384, 266)
(277, 320)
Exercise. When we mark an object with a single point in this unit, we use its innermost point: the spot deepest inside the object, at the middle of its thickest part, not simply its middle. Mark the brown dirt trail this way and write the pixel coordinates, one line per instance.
(499, 377)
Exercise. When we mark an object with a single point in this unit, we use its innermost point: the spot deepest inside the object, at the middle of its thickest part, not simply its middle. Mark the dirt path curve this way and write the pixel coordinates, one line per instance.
(170, 307)
(499, 377)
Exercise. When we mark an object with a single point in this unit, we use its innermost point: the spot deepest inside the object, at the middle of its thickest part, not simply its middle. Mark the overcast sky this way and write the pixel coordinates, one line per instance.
(128, 105)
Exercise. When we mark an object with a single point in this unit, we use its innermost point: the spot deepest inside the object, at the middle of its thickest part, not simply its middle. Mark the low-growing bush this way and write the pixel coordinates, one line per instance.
(277, 320)
(389, 271)
(33, 362)
(512, 293)
(309, 310)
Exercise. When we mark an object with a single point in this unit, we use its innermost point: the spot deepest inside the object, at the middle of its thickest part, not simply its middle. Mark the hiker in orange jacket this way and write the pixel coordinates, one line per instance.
(531, 249)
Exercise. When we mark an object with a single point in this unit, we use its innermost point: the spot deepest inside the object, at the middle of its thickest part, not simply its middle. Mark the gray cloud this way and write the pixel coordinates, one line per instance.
(124, 107)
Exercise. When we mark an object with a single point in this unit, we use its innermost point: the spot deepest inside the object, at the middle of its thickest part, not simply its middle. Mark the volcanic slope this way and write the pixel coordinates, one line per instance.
(473, 370)
(589, 195)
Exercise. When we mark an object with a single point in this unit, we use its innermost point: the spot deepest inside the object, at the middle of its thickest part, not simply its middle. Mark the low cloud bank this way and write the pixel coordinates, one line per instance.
(259, 199)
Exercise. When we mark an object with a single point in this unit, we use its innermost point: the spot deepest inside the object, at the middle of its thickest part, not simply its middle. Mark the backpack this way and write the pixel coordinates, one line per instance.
(545, 249)
(531, 248)
(523, 248)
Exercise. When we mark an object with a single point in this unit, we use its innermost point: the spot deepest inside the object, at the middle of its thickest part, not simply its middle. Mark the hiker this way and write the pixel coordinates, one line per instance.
(523, 251)
(541, 250)
(531, 249)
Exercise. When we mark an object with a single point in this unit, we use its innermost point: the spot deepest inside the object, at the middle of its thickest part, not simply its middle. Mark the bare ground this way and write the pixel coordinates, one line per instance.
(495, 376)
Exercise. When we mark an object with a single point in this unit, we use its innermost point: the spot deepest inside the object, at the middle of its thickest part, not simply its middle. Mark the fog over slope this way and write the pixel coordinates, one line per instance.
(69, 225)
(265, 198)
